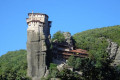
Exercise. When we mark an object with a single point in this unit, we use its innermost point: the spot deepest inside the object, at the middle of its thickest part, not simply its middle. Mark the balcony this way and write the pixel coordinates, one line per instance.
(35, 20)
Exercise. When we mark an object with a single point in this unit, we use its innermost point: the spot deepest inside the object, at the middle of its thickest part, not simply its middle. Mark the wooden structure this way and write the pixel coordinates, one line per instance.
(63, 51)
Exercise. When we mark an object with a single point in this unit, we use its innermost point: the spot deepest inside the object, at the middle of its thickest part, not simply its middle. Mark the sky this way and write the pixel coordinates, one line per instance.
(66, 15)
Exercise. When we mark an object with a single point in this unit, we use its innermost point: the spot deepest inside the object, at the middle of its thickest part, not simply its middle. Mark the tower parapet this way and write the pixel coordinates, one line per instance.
(38, 33)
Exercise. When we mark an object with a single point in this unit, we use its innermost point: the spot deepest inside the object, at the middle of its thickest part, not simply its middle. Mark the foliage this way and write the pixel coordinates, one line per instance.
(52, 65)
(53, 71)
(13, 66)
(66, 74)
(95, 38)
(97, 66)
(92, 72)
(91, 37)
(95, 41)
(78, 63)
(58, 36)
(71, 61)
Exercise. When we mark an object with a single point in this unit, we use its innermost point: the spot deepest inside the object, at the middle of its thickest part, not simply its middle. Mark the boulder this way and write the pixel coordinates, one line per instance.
(114, 52)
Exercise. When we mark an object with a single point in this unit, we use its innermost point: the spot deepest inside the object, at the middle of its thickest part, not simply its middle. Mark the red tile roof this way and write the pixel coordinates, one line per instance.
(79, 51)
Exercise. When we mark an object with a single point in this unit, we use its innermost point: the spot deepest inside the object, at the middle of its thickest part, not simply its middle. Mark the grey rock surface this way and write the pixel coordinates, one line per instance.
(114, 52)
(37, 45)
(112, 49)
(68, 38)
(118, 54)
(36, 57)
(46, 74)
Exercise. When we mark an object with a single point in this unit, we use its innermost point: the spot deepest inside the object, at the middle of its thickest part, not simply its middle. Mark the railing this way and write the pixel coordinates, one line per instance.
(35, 19)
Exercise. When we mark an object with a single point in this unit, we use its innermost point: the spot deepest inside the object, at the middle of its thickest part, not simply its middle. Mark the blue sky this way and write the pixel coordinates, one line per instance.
(67, 15)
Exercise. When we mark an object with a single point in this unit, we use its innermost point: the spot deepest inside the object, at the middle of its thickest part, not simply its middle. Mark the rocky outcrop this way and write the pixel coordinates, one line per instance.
(68, 38)
(38, 36)
(114, 52)
(112, 49)
(46, 74)
(36, 57)
(117, 57)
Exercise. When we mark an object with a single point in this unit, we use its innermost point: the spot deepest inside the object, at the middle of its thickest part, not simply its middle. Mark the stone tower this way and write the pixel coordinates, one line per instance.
(38, 36)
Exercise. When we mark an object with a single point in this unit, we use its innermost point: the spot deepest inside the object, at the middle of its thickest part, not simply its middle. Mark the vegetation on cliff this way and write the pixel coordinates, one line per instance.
(58, 36)
(64, 74)
(92, 39)
(95, 41)
(92, 72)
(98, 65)
(13, 66)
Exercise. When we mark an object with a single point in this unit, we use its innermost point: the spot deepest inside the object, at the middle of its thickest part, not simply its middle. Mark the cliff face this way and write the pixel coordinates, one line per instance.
(38, 36)
(68, 38)
(64, 46)
(114, 52)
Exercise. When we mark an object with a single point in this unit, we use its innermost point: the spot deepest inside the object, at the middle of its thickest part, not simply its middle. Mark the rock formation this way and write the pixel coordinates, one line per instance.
(58, 47)
(38, 36)
(114, 52)
(68, 37)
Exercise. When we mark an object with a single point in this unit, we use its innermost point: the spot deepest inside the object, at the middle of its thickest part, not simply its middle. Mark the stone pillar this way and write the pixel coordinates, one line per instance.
(36, 45)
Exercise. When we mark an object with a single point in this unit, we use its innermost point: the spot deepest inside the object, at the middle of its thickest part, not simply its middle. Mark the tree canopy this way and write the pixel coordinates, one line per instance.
(95, 41)
(13, 66)
(58, 36)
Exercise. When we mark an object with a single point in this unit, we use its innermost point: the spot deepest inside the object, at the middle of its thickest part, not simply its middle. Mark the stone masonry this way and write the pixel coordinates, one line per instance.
(38, 36)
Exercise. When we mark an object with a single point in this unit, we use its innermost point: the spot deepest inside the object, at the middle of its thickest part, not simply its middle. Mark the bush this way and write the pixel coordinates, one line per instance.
(13, 66)
(58, 36)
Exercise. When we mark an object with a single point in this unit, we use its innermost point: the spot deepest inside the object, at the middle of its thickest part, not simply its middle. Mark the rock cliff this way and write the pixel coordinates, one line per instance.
(113, 50)
(68, 38)
(38, 41)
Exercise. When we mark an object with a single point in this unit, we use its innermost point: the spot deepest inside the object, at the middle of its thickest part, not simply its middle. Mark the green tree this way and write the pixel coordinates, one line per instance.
(13, 66)
(58, 36)
(78, 63)
(71, 61)
(66, 74)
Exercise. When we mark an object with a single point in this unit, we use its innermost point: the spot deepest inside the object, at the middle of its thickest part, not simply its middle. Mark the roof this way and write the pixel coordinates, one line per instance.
(37, 14)
(79, 51)
(69, 54)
